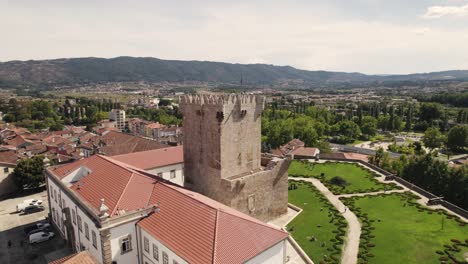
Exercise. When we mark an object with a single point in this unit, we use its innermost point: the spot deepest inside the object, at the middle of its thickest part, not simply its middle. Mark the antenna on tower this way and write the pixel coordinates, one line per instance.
(241, 80)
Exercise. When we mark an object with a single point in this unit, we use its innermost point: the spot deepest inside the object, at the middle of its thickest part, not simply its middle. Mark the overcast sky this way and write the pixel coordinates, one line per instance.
(369, 36)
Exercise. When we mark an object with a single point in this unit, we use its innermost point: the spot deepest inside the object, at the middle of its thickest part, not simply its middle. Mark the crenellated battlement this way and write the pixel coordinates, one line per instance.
(212, 99)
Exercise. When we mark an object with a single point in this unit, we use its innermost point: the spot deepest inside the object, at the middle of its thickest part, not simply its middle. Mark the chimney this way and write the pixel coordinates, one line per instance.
(103, 210)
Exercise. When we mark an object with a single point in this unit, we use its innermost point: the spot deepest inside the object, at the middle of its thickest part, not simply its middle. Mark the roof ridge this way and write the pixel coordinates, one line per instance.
(122, 194)
(213, 256)
(253, 220)
(191, 197)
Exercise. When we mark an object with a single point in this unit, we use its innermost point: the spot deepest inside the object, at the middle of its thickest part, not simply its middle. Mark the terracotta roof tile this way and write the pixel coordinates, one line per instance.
(306, 152)
(118, 143)
(222, 234)
(83, 257)
(153, 158)
(8, 157)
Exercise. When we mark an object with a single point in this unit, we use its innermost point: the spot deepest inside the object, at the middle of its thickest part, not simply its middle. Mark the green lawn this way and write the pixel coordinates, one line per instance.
(358, 179)
(318, 219)
(404, 231)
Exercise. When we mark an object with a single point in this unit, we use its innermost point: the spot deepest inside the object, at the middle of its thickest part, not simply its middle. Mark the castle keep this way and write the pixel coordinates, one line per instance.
(222, 155)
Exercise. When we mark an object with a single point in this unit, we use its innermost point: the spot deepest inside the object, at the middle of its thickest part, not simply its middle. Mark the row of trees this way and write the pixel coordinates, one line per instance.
(456, 140)
(429, 173)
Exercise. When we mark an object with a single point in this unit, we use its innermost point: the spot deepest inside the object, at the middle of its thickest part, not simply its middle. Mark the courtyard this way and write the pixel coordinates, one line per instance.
(397, 229)
(386, 223)
(320, 228)
(12, 227)
(354, 177)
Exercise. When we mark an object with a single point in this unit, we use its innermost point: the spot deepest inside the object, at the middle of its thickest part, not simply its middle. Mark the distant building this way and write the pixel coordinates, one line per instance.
(166, 163)
(118, 116)
(297, 150)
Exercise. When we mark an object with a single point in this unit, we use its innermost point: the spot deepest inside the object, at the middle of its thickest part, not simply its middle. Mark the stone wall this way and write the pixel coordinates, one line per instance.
(222, 154)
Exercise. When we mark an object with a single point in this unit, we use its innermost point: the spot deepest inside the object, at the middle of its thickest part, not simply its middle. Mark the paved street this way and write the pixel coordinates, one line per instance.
(12, 229)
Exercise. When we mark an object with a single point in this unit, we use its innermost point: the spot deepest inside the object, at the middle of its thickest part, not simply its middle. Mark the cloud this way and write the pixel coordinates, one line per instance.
(441, 11)
(422, 31)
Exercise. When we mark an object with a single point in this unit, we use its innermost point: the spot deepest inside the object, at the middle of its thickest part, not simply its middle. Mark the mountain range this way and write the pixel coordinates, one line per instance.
(122, 69)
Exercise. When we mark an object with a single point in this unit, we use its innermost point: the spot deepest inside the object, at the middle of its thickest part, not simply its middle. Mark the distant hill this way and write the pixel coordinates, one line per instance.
(96, 70)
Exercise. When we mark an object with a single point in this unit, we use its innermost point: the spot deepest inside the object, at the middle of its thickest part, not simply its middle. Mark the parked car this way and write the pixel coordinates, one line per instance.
(36, 227)
(20, 207)
(40, 237)
(33, 209)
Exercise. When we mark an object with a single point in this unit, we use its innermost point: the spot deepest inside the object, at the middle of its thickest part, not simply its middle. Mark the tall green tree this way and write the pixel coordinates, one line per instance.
(433, 138)
(369, 126)
(457, 138)
(29, 173)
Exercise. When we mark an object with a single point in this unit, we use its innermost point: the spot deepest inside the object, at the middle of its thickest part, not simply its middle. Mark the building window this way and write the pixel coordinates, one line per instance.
(160, 174)
(155, 252)
(165, 258)
(172, 174)
(60, 200)
(86, 230)
(175, 262)
(63, 203)
(126, 244)
(146, 244)
(80, 227)
(94, 239)
(55, 195)
(6, 170)
(73, 216)
(53, 215)
(51, 192)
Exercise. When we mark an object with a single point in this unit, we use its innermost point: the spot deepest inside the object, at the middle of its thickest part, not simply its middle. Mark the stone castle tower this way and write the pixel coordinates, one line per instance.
(222, 155)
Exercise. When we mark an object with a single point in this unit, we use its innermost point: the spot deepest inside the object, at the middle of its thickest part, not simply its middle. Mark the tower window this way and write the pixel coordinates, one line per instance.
(220, 116)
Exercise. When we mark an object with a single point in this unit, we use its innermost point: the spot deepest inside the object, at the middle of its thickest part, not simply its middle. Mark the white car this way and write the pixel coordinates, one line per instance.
(40, 237)
(30, 202)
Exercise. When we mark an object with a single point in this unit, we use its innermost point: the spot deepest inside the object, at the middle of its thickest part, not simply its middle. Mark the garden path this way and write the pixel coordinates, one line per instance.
(351, 244)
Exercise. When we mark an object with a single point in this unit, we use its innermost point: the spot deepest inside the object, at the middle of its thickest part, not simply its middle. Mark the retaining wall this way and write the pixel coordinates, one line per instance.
(454, 208)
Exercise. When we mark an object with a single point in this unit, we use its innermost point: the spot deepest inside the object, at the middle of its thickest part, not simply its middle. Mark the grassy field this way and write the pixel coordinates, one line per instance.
(398, 230)
(318, 219)
(358, 179)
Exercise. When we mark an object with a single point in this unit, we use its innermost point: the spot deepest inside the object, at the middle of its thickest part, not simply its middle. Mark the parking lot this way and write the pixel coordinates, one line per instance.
(14, 244)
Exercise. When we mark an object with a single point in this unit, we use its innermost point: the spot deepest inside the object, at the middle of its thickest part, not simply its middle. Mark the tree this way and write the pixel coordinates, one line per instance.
(347, 130)
(433, 138)
(381, 159)
(369, 126)
(430, 111)
(457, 138)
(29, 173)
(409, 118)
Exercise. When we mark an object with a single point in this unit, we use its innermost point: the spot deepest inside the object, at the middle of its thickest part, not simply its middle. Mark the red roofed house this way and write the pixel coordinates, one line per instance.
(296, 149)
(122, 214)
(167, 163)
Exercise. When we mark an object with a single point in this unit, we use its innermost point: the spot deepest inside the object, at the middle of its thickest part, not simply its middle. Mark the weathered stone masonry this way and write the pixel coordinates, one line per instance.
(222, 155)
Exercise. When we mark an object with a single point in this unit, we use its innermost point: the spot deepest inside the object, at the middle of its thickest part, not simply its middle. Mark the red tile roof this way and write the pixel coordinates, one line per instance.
(153, 158)
(121, 187)
(118, 143)
(83, 257)
(288, 147)
(305, 152)
(195, 227)
(155, 125)
(8, 157)
(201, 230)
